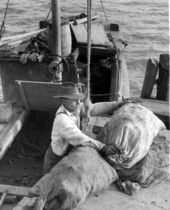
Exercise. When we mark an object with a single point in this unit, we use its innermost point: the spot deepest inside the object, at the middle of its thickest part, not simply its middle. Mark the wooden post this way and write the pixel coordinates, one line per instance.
(56, 32)
(163, 80)
(150, 77)
(56, 28)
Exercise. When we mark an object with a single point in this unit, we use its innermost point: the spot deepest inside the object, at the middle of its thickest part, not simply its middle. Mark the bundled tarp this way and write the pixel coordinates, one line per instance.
(132, 130)
(70, 181)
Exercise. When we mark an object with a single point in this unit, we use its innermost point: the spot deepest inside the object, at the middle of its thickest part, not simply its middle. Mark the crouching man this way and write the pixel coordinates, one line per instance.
(66, 131)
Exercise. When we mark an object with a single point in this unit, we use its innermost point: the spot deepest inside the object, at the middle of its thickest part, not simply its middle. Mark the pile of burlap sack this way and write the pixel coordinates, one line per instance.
(132, 130)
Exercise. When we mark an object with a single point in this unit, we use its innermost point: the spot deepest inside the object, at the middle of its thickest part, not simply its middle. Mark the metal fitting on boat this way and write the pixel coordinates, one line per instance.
(55, 68)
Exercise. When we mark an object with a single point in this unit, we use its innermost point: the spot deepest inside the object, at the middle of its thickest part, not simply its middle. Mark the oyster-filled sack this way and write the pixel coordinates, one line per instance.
(131, 131)
(70, 181)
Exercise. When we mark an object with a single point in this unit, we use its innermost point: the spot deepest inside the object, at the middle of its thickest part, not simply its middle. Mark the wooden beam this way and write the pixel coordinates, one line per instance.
(83, 20)
(98, 34)
(11, 129)
(14, 190)
(163, 78)
(23, 95)
(18, 38)
(158, 107)
(150, 77)
(40, 95)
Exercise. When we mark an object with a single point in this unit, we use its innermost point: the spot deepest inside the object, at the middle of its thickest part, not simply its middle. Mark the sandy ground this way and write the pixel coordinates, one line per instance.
(22, 164)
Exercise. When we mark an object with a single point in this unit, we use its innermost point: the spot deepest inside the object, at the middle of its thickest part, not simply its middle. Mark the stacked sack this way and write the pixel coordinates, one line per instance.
(131, 131)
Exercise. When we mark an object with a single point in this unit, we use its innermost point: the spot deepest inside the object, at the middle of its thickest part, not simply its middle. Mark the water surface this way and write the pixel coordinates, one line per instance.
(144, 25)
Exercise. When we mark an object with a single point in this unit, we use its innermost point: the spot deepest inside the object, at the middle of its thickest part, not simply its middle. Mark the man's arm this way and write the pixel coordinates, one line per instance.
(71, 133)
(104, 107)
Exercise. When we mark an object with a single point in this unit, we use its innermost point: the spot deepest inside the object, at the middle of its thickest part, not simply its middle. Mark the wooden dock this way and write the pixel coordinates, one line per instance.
(158, 107)
(152, 198)
(155, 197)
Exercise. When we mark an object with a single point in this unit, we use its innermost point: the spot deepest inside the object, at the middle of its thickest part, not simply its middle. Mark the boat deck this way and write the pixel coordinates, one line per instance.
(153, 198)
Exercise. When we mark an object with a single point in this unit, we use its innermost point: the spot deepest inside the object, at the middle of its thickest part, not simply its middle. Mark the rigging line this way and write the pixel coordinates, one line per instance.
(104, 13)
(112, 39)
(86, 117)
(47, 16)
(118, 62)
(104, 94)
(3, 22)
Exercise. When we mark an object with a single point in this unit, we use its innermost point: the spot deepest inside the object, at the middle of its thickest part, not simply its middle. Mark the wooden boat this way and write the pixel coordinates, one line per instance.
(31, 87)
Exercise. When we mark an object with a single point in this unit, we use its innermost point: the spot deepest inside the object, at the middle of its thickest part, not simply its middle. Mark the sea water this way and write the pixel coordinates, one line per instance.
(144, 25)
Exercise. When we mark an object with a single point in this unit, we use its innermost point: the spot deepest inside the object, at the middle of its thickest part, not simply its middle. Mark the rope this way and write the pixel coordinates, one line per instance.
(104, 13)
(3, 22)
(86, 117)
(105, 94)
(47, 16)
(119, 53)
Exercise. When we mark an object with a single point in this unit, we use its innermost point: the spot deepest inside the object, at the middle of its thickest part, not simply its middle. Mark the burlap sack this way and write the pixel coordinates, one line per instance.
(76, 176)
(131, 130)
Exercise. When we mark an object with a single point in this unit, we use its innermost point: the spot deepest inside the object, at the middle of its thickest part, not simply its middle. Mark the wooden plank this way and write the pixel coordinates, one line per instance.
(26, 203)
(40, 95)
(23, 95)
(11, 129)
(163, 78)
(3, 198)
(19, 38)
(83, 20)
(155, 198)
(150, 77)
(159, 108)
(98, 35)
(152, 198)
(14, 190)
(80, 33)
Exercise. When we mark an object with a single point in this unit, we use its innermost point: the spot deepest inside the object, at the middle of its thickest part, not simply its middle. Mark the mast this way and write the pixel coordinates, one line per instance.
(89, 6)
(56, 33)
